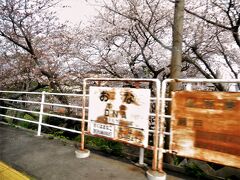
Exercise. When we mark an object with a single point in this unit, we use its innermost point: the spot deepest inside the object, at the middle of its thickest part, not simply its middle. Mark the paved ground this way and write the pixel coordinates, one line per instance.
(43, 158)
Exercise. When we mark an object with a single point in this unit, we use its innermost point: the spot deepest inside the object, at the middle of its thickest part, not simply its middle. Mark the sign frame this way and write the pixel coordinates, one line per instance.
(158, 133)
(189, 83)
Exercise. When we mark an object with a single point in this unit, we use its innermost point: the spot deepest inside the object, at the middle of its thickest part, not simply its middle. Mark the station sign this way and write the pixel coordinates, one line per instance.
(120, 114)
(206, 126)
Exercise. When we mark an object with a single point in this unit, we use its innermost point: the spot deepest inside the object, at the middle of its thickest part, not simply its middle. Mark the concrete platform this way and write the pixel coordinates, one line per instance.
(52, 159)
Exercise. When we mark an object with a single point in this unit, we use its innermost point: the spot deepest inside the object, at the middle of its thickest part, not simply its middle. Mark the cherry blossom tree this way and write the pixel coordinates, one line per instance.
(130, 36)
(35, 41)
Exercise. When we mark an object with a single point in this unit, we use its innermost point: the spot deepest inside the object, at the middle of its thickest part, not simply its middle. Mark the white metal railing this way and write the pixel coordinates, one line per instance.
(41, 112)
(160, 100)
(41, 96)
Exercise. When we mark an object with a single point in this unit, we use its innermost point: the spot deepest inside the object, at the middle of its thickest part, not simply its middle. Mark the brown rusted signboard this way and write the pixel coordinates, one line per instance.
(206, 126)
(120, 114)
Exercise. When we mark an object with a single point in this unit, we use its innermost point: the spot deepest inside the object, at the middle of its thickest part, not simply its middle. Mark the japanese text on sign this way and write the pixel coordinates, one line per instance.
(120, 113)
(206, 126)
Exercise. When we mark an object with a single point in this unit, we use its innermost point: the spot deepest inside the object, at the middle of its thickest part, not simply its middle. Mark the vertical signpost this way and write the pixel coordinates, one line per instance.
(122, 114)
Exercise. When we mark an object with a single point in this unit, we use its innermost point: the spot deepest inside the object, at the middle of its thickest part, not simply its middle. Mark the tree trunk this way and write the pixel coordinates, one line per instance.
(176, 60)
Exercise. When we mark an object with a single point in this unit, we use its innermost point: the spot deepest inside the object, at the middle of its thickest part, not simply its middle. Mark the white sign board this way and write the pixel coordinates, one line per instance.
(120, 113)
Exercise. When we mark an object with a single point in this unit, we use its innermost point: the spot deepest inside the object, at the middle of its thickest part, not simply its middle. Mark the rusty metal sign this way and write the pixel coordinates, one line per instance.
(120, 114)
(206, 126)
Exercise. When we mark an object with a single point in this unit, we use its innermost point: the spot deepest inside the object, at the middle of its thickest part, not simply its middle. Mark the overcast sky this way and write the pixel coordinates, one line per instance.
(76, 11)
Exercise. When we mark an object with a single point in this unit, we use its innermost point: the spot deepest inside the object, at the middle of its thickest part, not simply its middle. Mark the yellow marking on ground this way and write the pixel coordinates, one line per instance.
(8, 173)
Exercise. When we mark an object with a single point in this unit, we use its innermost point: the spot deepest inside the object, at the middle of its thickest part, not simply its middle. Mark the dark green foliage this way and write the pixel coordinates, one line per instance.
(59, 134)
(114, 148)
(193, 170)
(110, 147)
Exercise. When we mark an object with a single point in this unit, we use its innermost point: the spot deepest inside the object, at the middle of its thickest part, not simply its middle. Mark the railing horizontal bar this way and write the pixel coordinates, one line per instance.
(22, 92)
(168, 99)
(47, 114)
(34, 102)
(14, 100)
(64, 94)
(152, 114)
(44, 124)
(21, 110)
(63, 117)
(154, 99)
(165, 133)
(121, 79)
(166, 116)
(40, 93)
(204, 80)
(63, 105)
(62, 128)
(20, 119)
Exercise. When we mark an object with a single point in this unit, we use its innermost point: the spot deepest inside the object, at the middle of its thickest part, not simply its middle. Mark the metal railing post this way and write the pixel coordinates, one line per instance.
(156, 150)
(83, 116)
(41, 114)
(141, 156)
